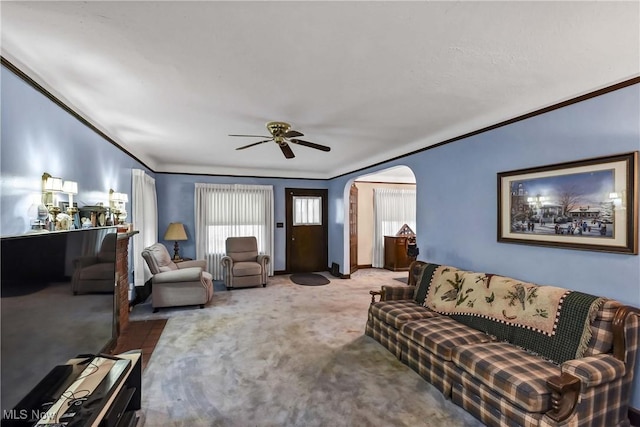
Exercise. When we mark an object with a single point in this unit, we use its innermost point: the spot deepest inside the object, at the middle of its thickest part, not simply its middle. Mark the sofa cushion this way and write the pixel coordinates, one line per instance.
(423, 275)
(441, 334)
(520, 377)
(385, 334)
(430, 367)
(601, 336)
(246, 268)
(491, 408)
(442, 292)
(397, 313)
(551, 321)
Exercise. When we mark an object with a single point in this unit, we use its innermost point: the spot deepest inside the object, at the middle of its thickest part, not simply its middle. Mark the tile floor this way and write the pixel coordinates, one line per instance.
(141, 334)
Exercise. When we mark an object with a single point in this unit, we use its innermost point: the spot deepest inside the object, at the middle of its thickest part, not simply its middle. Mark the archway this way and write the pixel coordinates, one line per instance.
(394, 177)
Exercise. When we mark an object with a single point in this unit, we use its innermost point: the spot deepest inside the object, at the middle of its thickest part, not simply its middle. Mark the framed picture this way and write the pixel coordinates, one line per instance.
(588, 204)
(63, 206)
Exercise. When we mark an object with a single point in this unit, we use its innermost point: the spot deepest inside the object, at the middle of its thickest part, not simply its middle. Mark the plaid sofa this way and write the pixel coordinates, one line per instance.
(503, 384)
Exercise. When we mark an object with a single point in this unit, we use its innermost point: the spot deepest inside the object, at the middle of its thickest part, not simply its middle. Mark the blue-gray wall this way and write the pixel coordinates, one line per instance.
(456, 186)
(38, 136)
(457, 198)
(176, 195)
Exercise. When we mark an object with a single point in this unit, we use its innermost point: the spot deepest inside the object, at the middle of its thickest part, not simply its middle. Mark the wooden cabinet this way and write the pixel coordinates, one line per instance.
(395, 253)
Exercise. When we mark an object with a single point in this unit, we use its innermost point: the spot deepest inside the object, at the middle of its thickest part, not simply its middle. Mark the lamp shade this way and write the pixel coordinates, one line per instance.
(70, 187)
(175, 231)
(53, 183)
(120, 197)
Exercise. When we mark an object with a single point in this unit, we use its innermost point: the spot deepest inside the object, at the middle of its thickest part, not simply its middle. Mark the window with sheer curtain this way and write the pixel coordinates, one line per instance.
(392, 208)
(232, 210)
(145, 221)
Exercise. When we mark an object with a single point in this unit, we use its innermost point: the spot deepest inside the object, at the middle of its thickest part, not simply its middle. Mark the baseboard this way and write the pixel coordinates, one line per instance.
(365, 266)
(634, 417)
(280, 272)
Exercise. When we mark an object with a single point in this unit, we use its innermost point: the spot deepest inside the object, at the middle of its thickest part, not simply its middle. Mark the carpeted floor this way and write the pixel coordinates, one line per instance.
(285, 355)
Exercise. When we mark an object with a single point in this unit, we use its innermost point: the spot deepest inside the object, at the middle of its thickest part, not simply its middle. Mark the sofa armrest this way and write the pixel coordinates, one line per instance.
(374, 294)
(200, 263)
(392, 293)
(595, 370)
(565, 390)
(578, 375)
(619, 325)
(263, 260)
(192, 274)
(226, 262)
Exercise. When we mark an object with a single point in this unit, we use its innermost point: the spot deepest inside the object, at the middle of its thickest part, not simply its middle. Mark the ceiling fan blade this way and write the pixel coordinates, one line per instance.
(292, 134)
(251, 145)
(286, 150)
(254, 136)
(311, 144)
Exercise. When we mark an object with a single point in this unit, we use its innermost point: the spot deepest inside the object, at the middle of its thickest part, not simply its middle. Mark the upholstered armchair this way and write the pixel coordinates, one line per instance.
(184, 283)
(243, 266)
(96, 273)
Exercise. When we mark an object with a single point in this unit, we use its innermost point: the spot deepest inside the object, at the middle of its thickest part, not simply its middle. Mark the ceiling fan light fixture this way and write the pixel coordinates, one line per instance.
(278, 128)
(282, 134)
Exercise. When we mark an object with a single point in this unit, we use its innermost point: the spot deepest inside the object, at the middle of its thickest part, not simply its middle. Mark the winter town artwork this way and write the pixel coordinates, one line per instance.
(580, 204)
(589, 204)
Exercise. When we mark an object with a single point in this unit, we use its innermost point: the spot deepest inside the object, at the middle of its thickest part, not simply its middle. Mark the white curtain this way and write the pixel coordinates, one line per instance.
(145, 221)
(235, 210)
(392, 208)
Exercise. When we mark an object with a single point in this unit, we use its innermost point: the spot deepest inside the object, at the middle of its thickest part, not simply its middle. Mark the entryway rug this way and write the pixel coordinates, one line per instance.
(309, 279)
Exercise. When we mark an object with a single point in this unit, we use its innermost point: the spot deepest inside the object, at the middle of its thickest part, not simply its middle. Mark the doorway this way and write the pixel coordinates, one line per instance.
(307, 232)
(353, 228)
(359, 254)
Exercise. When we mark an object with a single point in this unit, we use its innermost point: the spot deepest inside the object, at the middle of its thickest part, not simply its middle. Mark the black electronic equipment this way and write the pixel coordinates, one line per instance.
(43, 323)
(89, 390)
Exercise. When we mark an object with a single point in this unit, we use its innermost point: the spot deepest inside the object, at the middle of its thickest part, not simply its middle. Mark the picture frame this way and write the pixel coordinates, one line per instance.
(63, 206)
(589, 204)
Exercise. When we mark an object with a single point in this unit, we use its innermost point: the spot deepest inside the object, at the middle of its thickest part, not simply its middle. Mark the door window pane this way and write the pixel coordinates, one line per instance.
(306, 210)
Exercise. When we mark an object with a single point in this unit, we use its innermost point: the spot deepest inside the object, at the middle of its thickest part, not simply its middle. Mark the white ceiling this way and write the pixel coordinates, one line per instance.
(397, 174)
(168, 81)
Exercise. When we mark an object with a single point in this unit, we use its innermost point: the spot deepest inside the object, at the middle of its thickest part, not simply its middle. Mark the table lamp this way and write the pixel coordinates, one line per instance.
(175, 232)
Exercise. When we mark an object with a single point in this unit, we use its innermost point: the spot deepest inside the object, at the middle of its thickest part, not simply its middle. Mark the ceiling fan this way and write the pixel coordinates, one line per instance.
(282, 134)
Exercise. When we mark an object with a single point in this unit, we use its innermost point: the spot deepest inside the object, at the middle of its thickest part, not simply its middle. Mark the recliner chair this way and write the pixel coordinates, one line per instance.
(184, 283)
(243, 266)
